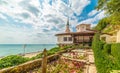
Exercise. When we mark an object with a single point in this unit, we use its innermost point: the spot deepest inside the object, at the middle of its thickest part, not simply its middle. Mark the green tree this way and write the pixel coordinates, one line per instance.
(102, 24)
(112, 8)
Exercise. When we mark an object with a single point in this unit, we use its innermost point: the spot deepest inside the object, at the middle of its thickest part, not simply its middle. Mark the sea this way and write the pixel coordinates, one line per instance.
(13, 49)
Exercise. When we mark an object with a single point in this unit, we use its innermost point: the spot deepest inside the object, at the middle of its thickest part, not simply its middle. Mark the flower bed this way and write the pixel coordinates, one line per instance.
(75, 54)
(66, 64)
(63, 66)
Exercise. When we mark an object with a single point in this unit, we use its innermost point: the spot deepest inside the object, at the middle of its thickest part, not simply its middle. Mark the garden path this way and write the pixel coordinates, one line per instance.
(91, 68)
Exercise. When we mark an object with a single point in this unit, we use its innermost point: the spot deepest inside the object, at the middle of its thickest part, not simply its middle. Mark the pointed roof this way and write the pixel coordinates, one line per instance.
(67, 27)
(68, 21)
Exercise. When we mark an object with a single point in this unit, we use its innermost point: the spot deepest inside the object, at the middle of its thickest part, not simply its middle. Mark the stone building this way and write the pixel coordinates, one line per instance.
(83, 35)
(110, 38)
(118, 37)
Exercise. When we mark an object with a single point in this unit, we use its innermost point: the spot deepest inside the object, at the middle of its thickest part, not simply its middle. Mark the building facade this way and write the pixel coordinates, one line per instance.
(110, 38)
(118, 37)
(83, 36)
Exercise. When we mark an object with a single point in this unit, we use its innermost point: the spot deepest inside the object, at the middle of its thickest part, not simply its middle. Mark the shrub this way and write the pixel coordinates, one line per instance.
(26, 67)
(102, 61)
(49, 52)
(12, 60)
(101, 45)
(37, 56)
(115, 51)
(107, 48)
(53, 50)
(66, 47)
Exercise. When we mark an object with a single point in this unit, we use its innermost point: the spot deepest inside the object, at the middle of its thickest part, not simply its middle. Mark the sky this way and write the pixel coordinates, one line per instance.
(37, 21)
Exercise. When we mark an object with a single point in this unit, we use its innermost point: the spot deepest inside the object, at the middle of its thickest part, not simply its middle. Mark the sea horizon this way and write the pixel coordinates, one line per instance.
(14, 49)
(21, 43)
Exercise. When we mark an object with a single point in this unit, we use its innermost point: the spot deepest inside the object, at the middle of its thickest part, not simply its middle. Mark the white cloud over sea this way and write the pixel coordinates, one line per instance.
(37, 21)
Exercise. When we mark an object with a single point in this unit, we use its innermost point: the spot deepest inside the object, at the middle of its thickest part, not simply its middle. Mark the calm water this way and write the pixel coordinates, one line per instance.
(12, 49)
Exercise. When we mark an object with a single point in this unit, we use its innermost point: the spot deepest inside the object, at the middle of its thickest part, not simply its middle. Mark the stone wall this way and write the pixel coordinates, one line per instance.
(118, 36)
(60, 39)
(106, 38)
(28, 66)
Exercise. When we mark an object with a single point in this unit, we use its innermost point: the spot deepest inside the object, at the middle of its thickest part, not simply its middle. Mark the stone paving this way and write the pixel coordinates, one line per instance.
(91, 68)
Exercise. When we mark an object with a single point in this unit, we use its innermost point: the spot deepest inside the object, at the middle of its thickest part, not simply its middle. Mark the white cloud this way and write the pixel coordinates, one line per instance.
(12, 35)
(3, 17)
(79, 5)
(15, 9)
(44, 18)
(16, 35)
(99, 16)
(93, 12)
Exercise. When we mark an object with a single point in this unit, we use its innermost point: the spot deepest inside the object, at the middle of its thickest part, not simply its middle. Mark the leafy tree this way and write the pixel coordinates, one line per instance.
(102, 24)
(112, 8)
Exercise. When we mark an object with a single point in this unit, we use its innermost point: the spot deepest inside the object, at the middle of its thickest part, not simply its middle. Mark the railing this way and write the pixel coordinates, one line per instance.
(30, 65)
(80, 41)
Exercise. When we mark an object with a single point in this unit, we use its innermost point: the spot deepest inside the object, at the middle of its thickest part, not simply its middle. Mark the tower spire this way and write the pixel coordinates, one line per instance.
(68, 21)
(67, 26)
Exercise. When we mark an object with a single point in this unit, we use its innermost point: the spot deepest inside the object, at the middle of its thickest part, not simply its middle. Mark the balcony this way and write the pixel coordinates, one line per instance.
(81, 41)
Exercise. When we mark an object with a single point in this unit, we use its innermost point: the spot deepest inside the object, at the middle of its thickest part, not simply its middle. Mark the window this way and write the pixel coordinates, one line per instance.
(70, 38)
(65, 38)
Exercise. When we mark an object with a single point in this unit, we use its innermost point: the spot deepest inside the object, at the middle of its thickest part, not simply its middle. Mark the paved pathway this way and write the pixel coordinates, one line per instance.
(91, 68)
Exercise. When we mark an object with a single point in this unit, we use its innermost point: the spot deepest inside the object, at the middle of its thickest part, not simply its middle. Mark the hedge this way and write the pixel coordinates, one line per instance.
(107, 56)
(115, 51)
(107, 48)
(103, 62)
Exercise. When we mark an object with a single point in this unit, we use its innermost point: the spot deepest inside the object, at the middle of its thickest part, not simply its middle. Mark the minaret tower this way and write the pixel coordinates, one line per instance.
(67, 27)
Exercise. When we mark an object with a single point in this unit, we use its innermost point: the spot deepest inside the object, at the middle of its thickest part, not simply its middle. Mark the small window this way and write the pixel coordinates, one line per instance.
(65, 38)
(70, 38)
